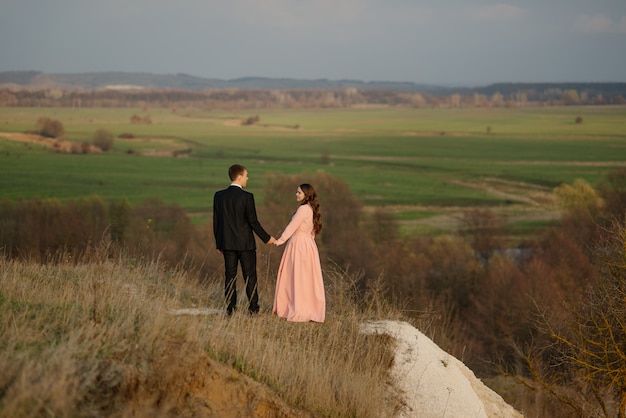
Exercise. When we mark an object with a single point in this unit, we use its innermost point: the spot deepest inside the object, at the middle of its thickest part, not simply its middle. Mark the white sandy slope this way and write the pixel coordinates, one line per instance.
(432, 382)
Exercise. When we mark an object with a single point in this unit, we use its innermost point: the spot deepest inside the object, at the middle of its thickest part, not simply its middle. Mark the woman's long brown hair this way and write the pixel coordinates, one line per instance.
(310, 197)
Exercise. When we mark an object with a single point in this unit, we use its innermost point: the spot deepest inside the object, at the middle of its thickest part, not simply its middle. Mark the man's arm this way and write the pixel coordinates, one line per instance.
(215, 217)
(254, 222)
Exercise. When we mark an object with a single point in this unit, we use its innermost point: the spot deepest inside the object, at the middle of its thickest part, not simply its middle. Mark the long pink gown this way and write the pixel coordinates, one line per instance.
(299, 293)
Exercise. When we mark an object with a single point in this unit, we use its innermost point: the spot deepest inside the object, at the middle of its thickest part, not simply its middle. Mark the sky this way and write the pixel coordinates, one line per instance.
(442, 42)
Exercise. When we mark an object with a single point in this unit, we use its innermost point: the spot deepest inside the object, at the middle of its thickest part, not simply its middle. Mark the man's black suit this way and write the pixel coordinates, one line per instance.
(234, 221)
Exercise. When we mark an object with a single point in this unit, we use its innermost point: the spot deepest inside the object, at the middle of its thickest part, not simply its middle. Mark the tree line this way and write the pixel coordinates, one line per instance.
(303, 98)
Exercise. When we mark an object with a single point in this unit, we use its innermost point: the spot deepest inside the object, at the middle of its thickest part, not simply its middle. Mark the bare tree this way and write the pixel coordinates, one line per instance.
(584, 363)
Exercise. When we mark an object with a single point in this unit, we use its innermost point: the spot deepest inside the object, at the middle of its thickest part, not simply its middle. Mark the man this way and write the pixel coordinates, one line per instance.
(234, 221)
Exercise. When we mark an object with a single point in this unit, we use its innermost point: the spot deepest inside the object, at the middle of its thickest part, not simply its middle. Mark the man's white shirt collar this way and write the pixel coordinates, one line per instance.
(235, 184)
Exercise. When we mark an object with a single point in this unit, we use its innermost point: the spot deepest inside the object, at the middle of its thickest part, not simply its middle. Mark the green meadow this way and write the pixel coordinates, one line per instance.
(421, 165)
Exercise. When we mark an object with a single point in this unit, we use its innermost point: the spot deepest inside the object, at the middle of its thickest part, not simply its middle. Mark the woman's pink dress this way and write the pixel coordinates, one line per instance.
(299, 287)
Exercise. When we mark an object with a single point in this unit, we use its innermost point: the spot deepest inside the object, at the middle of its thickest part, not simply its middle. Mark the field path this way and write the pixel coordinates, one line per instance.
(514, 191)
(526, 202)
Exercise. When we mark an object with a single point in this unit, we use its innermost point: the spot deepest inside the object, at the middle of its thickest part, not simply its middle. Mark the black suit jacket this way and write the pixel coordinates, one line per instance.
(234, 220)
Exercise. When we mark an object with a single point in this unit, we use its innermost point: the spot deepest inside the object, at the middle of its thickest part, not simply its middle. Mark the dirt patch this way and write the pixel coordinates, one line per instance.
(232, 122)
(188, 383)
(164, 147)
(59, 145)
(241, 122)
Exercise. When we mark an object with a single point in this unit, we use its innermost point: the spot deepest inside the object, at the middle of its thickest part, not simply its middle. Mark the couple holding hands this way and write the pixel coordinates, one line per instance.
(299, 295)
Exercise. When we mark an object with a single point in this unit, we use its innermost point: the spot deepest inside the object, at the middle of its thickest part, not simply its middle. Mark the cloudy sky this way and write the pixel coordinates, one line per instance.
(466, 42)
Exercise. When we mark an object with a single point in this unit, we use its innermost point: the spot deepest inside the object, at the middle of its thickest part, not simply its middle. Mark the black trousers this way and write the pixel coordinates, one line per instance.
(247, 259)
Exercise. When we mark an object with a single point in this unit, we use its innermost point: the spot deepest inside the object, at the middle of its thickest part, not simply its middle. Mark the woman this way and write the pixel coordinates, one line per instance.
(299, 287)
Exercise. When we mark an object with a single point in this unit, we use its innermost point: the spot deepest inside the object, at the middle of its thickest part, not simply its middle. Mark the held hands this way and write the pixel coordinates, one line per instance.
(272, 241)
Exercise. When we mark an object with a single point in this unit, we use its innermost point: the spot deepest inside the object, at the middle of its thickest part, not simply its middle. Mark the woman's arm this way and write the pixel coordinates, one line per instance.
(296, 221)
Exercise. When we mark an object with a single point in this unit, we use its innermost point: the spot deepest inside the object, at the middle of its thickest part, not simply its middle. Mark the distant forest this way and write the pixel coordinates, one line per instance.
(23, 88)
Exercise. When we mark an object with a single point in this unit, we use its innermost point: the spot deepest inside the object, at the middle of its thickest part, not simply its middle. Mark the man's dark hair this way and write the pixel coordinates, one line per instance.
(235, 170)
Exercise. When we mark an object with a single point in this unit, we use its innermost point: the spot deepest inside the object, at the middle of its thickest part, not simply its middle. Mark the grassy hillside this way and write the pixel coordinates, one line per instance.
(101, 338)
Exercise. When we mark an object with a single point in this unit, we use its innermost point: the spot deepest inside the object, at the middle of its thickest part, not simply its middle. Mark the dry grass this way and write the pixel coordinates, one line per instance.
(99, 339)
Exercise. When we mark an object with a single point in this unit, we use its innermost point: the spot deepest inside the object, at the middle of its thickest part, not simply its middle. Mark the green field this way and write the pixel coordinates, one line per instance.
(423, 165)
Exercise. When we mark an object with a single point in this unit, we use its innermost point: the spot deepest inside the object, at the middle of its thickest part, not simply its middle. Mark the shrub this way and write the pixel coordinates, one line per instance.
(103, 139)
(613, 192)
(136, 119)
(484, 229)
(251, 120)
(50, 128)
(80, 147)
(38, 228)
